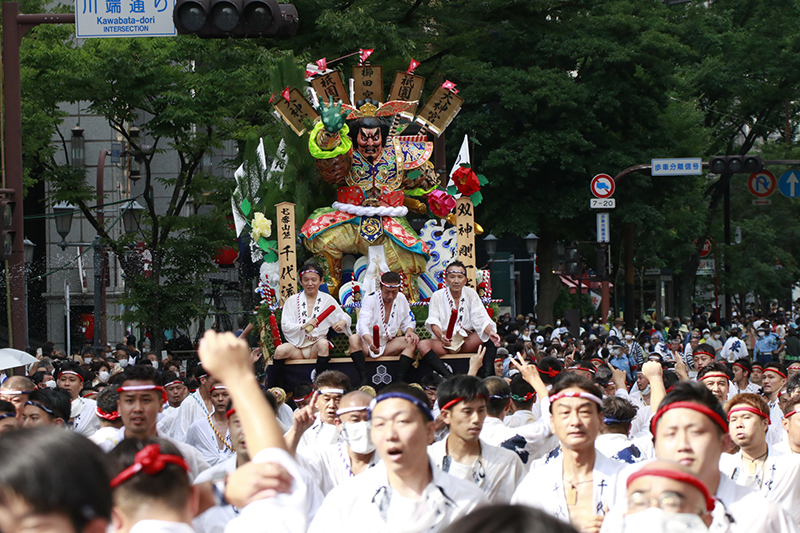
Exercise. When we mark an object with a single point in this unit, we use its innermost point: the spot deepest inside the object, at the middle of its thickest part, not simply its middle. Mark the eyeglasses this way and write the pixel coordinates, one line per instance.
(669, 501)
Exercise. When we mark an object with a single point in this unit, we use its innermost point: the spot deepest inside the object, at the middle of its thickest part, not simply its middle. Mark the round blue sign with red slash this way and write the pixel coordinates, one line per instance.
(603, 186)
(762, 184)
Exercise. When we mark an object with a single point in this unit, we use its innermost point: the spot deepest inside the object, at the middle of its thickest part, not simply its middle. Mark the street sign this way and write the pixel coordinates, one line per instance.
(762, 202)
(761, 184)
(116, 153)
(706, 251)
(603, 228)
(124, 18)
(706, 267)
(789, 184)
(683, 166)
(603, 186)
(603, 203)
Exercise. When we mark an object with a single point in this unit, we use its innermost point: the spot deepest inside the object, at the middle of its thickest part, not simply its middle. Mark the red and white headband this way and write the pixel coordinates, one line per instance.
(391, 286)
(71, 372)
(713, 415)
(113, 415)
(771, 369)
(139, 388)
(714, 375)
(151, 461)
(575, 394)
(677, 475)
(749, 409)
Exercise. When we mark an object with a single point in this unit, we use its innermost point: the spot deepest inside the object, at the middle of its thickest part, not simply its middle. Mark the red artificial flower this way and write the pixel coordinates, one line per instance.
(440, 203)
(466, 181)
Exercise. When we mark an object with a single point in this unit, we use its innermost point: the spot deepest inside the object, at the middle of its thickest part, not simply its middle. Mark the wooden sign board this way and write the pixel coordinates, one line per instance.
(465, 227)
(287, 251)
(296, 111)
(408, 88)
(330, 85)
(368, 83)
(440, 110)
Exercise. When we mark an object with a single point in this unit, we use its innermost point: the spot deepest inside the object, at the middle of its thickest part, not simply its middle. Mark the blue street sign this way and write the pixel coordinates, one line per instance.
(789, 184)
(603, 228)
(676, 167)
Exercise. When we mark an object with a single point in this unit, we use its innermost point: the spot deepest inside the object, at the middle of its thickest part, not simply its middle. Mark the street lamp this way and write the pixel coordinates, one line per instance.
(131, 216)
(63, 216)
(78, 148)
(490, 241)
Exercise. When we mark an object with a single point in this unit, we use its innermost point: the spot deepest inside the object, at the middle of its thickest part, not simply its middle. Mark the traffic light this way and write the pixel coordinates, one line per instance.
(572, 261)
(217, 19)
(6, 235)
(735, 164)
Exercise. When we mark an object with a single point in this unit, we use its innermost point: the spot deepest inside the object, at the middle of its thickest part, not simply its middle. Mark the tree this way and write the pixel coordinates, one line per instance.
(186, 95)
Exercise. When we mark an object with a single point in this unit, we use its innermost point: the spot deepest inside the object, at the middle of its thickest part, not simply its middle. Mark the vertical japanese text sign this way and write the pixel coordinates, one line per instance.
(287, 252)
(295, 111)
(330, 85)
(407, 87)
(368, 83)
(465, 224)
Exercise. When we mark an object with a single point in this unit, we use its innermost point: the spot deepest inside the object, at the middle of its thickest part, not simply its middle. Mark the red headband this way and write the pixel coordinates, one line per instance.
(742, 367)
(113, 415)
(576, 394)
(677, 475)
(176, 382)
(715, 375)
(388, 286)
(790, 413)
(70, 372)
(149, 460)
(749, 409)
(597, 359)
(138, 388)
(306, 397)
(781, 374)
(230, 412)
(590, 370)
(306, 271)
(454, 401)
(706, 353)
(721, 422)
(501, 359)
(552, 372)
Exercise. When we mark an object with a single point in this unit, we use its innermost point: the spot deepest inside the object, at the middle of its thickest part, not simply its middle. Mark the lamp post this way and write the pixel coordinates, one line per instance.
(531, 243)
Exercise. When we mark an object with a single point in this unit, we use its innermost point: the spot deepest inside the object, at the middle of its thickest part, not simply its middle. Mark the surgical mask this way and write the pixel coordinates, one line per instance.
(657, 520)
(357, 436)
(155, 364)
(123, 363)
(103, 375)
(706, 335)
(50, 384)
(87, 360)
(760, 333)
(647, 345)
(646, 390)
(628, 337)
(614, 351)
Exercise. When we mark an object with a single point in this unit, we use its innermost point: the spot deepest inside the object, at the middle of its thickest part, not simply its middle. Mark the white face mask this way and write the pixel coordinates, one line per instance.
(628, 337)
(155, 364)
(50, 384)
(761, 333)
(103, 375)
(87, 360)
(647, 345)
(655, 520)
(646, 390)
(357, 436)
(123, 363)
(706, 335)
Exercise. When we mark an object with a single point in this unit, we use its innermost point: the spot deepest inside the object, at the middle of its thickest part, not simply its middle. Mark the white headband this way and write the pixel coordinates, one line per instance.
(575, 394)
(331, 391)
(346, 410)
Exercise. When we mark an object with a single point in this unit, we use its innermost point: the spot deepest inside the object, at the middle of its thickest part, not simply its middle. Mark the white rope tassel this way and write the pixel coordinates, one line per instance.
(364, 211)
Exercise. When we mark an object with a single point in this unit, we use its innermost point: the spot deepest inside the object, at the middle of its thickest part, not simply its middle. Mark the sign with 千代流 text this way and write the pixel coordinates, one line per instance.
(124, 18)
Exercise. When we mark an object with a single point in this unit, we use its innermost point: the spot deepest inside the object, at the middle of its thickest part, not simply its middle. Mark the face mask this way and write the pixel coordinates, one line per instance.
(155, 364)
(716, 336)
(646, 390)
(706, 336)
(50, 384)
(628, 337)
(123, 363)
(657, 520)
(647, 345)
(357, 436)
(87, 360)
(615, 351)
(760, 333)
(103, 376)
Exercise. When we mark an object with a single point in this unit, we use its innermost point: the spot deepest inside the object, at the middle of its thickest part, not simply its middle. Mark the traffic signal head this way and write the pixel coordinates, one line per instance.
(211, 19)
(735, 164)
(6, 222)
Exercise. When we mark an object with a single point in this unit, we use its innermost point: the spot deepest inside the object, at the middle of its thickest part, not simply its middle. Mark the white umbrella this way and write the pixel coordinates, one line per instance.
(10, 358)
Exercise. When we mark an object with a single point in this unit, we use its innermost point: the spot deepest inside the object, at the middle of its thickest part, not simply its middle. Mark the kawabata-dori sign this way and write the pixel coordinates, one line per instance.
(124, 18)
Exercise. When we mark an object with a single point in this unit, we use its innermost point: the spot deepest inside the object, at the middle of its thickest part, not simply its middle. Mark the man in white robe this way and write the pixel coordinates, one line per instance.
(387, 310)
(210, 436)
(314, 425)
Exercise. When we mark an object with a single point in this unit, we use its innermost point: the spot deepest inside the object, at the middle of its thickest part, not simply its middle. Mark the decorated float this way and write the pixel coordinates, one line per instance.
(378, 153)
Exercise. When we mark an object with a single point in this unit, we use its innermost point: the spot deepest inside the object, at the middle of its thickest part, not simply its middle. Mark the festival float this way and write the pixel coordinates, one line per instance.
(378, 153)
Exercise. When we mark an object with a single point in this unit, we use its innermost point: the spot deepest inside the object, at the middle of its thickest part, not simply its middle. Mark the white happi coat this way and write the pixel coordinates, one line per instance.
(779, 481)
(368, 502)
(775, 433)
(521, 417)
(194, 459)
(296, 314)
(85, 422)
(529, 441)
(472, 316)
(623, 448)
(330, 466)
(202, 437)
(284, 513)
(214, 519)
(543, 487)
(317, 436)
(192, 409)
(497, 471)
(400, 319)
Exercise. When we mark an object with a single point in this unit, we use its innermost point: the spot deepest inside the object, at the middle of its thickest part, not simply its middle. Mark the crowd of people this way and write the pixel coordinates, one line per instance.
(668, 426)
